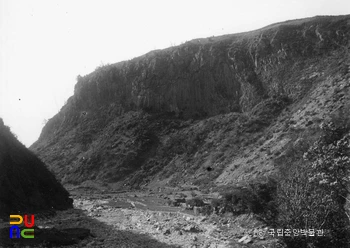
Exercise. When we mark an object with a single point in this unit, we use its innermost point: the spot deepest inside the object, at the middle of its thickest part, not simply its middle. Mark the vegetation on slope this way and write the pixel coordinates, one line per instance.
(314, 186)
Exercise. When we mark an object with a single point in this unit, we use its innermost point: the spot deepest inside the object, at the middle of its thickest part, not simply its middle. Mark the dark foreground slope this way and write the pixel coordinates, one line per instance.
(26, 185)
(210, 111)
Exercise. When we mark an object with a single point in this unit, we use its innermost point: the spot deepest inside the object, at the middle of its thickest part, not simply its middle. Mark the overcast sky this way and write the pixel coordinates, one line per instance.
(45, 44)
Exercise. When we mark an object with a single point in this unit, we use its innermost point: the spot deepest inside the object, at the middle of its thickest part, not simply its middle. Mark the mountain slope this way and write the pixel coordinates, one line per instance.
(211, 111)
(26, 184)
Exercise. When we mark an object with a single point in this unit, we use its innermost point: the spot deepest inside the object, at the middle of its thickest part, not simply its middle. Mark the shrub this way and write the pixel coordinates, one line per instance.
(215, 203)
(207, 210)
(263, 204)
(313, 187)
(254, 197)
(236, 201)
(195, 202)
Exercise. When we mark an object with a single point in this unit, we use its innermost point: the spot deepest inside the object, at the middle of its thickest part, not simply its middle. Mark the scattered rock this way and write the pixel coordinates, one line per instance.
(188, 218)
(245, 239)
(192, 228)
(203, 219)
(91, 244)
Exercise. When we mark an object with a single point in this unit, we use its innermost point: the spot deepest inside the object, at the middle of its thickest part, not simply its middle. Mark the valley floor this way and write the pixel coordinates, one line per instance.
(142, 219)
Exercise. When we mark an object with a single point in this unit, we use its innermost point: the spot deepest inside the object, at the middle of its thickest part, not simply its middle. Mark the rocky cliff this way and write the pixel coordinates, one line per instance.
(201, 111)
(26, 185)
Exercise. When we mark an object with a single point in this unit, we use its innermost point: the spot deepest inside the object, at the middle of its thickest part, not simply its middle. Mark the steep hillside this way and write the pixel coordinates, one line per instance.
(26, 185)
(209, 112)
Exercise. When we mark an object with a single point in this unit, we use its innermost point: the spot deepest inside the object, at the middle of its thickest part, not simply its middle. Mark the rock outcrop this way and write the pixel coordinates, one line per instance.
(172, 113)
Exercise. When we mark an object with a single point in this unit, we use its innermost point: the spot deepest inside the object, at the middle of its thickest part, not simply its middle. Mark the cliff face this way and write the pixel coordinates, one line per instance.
(26, 185)
(206, 77)
(124, 118)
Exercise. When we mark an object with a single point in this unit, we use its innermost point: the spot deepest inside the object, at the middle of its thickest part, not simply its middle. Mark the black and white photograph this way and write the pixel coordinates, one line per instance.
(175, 124)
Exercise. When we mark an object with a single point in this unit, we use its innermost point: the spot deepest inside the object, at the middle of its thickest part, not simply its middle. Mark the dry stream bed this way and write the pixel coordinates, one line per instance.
(141, 219)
